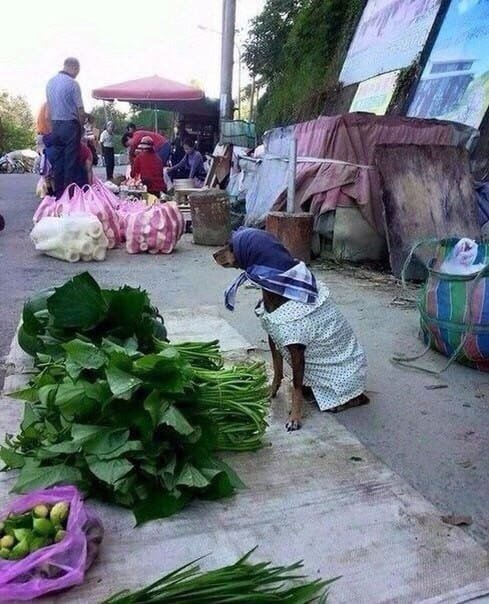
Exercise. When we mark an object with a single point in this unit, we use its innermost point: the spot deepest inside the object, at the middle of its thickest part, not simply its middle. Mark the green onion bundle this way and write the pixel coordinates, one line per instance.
(237, 400)
(206, 355)
(242, 582)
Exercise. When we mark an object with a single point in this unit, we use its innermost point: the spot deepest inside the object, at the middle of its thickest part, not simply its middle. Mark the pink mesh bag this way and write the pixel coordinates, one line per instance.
(155, 229)
(58, 566)
(96, 200)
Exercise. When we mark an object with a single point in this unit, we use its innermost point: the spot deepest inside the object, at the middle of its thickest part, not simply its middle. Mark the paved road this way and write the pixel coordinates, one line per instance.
(437, 440)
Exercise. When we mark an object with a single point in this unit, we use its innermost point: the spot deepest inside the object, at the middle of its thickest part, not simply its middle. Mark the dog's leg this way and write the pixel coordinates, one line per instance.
(297, 360)
(278, 367)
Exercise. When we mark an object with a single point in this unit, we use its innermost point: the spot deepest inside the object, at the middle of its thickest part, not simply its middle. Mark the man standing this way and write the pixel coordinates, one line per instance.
(107, 142)
(67, 116)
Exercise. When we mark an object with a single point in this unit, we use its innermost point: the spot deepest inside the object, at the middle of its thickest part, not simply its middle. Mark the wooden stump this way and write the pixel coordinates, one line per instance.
(294, 231)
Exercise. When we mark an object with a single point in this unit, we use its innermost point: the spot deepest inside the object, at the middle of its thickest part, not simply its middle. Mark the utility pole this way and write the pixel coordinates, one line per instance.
(227, 60)
(252, 99)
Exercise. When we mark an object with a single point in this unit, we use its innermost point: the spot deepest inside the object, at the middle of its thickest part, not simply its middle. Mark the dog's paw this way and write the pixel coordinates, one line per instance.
(293, 423)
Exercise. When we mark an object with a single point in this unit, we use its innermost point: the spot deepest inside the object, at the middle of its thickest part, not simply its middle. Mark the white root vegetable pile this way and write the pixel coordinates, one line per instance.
(87, 221)
(72, 238)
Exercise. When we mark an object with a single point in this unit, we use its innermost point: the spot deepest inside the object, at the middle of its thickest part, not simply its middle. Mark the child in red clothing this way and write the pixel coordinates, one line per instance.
(149, 167)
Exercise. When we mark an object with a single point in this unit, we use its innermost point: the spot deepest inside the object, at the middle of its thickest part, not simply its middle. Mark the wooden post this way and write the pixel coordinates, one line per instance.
(291, 176)
(294, 231)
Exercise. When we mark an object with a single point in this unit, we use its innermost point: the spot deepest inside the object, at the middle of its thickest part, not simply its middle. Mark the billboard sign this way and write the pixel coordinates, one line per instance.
(389, 36)
(455, 83)
(374, 95)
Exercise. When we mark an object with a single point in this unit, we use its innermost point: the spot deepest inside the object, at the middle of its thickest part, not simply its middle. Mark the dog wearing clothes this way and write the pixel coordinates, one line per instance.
(302, 323)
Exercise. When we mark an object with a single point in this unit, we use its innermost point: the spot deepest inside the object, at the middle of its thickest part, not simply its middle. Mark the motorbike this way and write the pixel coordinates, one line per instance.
(9, 165)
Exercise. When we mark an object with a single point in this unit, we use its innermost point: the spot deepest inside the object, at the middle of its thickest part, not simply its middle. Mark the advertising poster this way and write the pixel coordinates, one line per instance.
(390, 36)
(455, 83)
(374, 95)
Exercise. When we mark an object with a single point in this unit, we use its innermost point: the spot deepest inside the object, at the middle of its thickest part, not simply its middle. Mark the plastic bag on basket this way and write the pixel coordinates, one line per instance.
(58, 566)
(155, 229)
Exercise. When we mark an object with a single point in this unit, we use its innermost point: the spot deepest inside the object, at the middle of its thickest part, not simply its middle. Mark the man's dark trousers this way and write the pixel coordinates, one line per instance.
(108, 153)
(66, 143)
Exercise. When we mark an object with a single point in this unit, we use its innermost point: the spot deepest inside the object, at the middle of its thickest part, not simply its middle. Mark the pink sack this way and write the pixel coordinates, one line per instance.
(106, 193)
(155, 229)
(47, 207)
(125, 209)
(94, 200)
(97, 204)
(57, 566)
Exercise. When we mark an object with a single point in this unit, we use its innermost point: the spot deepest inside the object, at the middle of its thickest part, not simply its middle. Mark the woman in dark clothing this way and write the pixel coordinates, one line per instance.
(148, 165)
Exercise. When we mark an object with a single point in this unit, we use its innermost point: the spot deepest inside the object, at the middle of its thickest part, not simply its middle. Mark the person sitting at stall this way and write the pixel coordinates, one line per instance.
(149, 167)
(131, 141)
(191, 166)
(177, 152)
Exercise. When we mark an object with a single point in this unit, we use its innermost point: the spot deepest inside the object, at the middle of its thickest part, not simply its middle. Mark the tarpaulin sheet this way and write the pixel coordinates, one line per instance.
(349, 138)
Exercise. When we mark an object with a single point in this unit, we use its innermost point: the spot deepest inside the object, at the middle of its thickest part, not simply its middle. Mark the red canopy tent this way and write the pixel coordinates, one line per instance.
(159, 93)
(150, 92)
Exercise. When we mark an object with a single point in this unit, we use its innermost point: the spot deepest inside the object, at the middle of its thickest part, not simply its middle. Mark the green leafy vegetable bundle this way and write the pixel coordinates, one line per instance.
(240, 582)
(80, 306)
(123, 414)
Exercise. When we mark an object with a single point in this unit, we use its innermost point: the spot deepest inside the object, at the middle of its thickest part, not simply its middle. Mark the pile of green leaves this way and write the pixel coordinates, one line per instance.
(126, 416)
(81, 307)
(240, 582)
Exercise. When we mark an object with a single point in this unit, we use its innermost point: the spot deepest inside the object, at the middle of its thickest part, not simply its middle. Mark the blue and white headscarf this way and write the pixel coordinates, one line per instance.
(267, 264)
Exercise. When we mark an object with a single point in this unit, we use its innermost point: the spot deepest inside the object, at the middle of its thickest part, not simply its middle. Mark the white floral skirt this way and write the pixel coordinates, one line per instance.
(335, 363)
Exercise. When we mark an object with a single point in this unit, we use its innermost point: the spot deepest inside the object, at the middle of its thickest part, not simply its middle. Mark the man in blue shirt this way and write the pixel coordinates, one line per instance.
(67, 114)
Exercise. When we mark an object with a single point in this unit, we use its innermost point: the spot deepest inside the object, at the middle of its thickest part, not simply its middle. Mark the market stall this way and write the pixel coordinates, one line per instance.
(201, 115)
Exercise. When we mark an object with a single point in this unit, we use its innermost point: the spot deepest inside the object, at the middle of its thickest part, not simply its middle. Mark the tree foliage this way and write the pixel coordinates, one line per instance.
(297, 48)
(16, 123)
(102, 115)
(145, 118)
(264, 49)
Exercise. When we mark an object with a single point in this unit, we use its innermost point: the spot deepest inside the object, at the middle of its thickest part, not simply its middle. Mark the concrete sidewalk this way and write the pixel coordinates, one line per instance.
(317, 495)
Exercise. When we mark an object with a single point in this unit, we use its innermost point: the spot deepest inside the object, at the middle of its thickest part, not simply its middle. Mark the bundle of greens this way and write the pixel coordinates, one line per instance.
(124, 415)
(240, 582)
(81, 307)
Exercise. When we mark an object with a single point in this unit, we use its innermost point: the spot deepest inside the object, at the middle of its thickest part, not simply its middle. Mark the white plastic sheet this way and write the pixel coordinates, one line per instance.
(270, 178)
